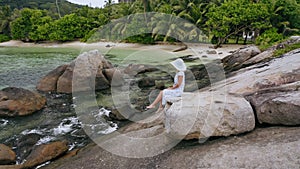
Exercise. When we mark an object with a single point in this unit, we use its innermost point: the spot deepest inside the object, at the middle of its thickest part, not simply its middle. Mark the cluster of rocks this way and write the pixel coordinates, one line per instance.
(38, 155)
(15, 102)
(90, 71)
(264, 93)
(251, 55)
(86, 67)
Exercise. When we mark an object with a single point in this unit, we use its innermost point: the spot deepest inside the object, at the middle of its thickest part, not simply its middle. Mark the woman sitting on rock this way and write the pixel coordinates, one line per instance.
(176, 90)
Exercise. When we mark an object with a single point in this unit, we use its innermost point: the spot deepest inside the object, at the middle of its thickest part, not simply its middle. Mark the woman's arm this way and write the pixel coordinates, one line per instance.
(180, 79)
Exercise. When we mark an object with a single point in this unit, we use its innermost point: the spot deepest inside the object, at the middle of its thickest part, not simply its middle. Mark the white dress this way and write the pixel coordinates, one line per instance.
(169, 93)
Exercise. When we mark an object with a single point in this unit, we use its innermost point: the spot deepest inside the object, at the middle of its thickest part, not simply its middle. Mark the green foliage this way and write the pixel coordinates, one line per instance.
(69, 27)
(235, 16)
(65, 7)
(4, 38)
(269, 38)
(286, 49)
(41, 29)
(31, 25)
(219, 19)
(143, 38)
(286, 16)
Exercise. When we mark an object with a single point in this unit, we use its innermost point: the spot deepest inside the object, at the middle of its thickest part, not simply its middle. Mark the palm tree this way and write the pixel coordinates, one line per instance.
(171, 26)
(58, 10)
(146, 4)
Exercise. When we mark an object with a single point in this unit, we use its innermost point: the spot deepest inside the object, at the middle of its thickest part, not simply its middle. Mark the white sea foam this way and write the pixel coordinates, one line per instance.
(45, 140)
(110, 129)
(33, 131)
(99, 125)
(3, 122)
(66, 126)
(104, 112)
(42, 165)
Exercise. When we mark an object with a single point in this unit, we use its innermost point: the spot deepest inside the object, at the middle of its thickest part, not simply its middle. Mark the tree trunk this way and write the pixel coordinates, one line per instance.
(220, 42)
(237, 39)
(146, 5)
(245, 40)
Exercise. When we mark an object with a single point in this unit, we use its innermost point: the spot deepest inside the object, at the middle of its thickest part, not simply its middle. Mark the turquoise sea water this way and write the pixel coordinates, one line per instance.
(23, 67)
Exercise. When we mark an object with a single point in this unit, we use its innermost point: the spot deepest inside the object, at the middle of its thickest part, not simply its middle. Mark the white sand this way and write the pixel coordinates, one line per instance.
(193, 49)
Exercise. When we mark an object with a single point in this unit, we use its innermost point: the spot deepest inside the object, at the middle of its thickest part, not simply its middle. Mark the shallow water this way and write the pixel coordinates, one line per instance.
(23, 67)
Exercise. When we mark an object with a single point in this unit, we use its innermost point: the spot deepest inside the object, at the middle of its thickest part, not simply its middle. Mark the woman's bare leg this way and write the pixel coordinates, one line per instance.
(157, 100)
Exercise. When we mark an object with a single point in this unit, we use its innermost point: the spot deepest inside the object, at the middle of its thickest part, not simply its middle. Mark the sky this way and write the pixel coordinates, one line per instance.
(92, 3)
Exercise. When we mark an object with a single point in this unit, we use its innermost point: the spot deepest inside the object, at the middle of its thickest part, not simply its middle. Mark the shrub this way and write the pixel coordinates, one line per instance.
(4, 38)
(287, 49)
(268, 38)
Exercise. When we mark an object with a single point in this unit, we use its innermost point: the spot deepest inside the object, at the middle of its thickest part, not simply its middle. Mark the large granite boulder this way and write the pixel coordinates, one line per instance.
(264, 56)
(222, 110)
(269, 86)
(251, 55)
(207, 114)
(249, 80)
(49, 82)
(197, 115)
(45, 152)
(134, 69)
(278, 105)
(234, 61)
(7, 155)
(19, 102)
(11, 166)
(114, 76)
(25, 144)
(80, 75)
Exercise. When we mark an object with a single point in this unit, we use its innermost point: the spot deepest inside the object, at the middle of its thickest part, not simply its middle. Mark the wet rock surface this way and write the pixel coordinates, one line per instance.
(44, 153)
(7, 155)
(19, 102)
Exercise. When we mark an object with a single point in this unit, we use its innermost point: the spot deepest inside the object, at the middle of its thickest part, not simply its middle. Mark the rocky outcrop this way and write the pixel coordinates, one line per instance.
(80, 75)
(261, 76)
(25, 144)
(250, 55)
(39, 155)
(45, 152)
(114, 76)
(7, 155)
(193, 116)
(11, 166)
(271, 88)
(146, 82)
(134, 69)
(235, 60)
(19, 102)
(208, 114)
(272, 147)
(49, 82)
(278, 105)
(223, 109)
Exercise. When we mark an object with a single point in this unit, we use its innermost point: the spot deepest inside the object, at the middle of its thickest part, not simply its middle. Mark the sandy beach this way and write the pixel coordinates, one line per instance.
(193, 48)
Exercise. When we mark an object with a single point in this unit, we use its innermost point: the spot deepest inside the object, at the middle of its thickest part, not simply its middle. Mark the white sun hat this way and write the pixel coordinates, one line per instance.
(179, 64)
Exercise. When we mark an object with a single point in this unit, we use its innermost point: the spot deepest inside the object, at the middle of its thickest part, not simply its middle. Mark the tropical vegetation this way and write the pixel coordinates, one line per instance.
(263, 22)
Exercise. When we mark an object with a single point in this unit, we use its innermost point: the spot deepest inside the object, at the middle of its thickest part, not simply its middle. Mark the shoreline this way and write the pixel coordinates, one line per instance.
(193, 48)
